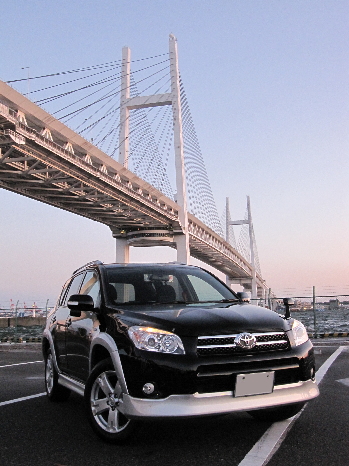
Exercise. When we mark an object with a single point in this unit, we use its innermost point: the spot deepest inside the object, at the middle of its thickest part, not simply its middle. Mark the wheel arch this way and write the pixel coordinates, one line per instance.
(45, 346)
(98, 354)
(104, 347)
(47, 343)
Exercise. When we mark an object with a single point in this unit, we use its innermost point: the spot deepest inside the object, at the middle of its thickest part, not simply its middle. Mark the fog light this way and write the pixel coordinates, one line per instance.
(148, 388)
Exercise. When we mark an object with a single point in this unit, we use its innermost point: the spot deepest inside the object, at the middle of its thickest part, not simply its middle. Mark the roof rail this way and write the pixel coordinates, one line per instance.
(177, 263)
(86, 265)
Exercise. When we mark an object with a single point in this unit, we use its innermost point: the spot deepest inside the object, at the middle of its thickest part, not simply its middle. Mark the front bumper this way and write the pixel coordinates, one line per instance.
(215, 403)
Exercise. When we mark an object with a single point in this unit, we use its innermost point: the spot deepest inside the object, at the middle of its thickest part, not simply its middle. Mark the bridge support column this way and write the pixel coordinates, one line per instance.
(253, 289)
(266, 301)
(122, 255)
(124, 110)
(183, 251)
(251, 234)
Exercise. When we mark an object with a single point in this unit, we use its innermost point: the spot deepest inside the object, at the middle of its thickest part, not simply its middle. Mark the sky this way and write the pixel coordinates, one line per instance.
(267, 82)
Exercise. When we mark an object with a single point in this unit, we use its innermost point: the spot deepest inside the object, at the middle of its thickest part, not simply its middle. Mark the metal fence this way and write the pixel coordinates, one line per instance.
(322, 315)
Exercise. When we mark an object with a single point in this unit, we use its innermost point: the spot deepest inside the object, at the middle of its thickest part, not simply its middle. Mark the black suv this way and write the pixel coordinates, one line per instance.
(142, 341)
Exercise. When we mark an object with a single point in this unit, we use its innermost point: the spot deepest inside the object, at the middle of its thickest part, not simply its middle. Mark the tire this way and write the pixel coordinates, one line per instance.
(54, 391)
(279, 413)
(102, 394)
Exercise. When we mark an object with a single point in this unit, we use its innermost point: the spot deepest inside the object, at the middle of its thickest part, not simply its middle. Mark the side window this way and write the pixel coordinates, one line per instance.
(91, 286)
(73, 288)
(125, 292)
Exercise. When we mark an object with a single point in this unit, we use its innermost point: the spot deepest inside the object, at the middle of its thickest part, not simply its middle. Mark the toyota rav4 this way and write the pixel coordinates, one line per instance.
(142, 341)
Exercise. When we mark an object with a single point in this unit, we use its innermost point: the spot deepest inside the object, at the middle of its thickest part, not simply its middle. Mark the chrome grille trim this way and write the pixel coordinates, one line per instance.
(259, 343)
(233, 335)
(225, 344)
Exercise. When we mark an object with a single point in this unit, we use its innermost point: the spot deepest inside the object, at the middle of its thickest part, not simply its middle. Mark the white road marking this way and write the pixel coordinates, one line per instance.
(327, 364)
(269, 443)
(21, 364)
(343, 381)
(24, 398)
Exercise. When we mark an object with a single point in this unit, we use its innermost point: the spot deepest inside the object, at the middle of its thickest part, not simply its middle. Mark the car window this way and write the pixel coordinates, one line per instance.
(63, 293)
(125, 292)
(91, 286)
(204, 291)
(148, 285)
(73, 287)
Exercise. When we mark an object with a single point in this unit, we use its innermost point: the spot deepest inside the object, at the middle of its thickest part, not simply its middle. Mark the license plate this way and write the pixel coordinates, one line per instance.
(256, 383)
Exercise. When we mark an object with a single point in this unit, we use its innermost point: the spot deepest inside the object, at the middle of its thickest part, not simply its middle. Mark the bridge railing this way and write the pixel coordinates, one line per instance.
(102, 172)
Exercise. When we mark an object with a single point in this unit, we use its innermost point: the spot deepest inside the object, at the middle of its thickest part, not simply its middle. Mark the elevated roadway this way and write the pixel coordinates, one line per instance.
(43, 159)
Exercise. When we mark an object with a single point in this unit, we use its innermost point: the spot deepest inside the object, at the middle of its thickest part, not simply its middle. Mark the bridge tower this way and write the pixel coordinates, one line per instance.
(253, 284)
(126, 104)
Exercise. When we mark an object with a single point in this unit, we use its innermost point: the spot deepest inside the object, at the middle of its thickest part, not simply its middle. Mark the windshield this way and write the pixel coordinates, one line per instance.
(164, 284)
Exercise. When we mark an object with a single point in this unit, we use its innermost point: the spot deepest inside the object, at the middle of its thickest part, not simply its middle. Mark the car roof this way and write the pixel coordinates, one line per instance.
(99, 264)
(146, 265)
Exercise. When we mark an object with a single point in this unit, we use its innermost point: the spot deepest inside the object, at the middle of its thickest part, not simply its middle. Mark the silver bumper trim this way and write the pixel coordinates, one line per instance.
(215, 403)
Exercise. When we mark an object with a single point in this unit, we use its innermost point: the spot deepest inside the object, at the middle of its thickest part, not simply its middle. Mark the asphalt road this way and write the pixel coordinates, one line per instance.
(34, 431)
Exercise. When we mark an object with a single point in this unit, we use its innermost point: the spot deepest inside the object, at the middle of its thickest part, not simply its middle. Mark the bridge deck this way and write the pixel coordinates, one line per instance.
(43, 159)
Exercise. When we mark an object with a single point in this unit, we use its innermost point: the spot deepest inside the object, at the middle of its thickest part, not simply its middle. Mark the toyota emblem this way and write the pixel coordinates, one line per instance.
(245, 340)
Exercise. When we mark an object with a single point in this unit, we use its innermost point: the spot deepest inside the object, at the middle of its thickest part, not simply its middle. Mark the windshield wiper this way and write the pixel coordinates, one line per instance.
(151, 303)
(225, 300)
(231, 300)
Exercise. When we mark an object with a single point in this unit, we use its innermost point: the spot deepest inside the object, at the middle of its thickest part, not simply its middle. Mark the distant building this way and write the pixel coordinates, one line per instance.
(333, 304)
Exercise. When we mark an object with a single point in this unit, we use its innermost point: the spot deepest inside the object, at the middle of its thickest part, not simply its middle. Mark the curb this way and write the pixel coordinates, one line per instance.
(21, 340)
(328, 335)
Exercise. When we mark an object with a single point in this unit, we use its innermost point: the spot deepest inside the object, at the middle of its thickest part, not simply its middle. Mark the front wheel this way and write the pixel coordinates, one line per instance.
(279, 413)
(102, 397)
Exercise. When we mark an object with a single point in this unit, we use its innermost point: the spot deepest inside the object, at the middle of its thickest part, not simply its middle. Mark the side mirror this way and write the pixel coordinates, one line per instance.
(243, 296)
(80, 302)
(288, 302)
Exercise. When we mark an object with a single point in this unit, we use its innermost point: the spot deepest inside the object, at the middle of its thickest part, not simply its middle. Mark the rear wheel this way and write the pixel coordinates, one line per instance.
(54, 391)
(102, 397)
(279, 413)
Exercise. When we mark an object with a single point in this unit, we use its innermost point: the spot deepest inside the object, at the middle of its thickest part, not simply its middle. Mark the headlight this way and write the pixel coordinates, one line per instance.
(299, 332)
(153, 339)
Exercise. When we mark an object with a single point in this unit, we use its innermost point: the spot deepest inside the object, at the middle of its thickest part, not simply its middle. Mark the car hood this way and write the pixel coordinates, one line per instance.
(205, 320)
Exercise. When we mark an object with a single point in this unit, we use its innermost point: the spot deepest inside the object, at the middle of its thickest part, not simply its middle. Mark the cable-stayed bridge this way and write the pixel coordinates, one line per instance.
(143, 120)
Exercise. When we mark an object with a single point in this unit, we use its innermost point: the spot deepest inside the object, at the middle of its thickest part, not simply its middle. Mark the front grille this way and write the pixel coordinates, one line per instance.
(225, 344)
